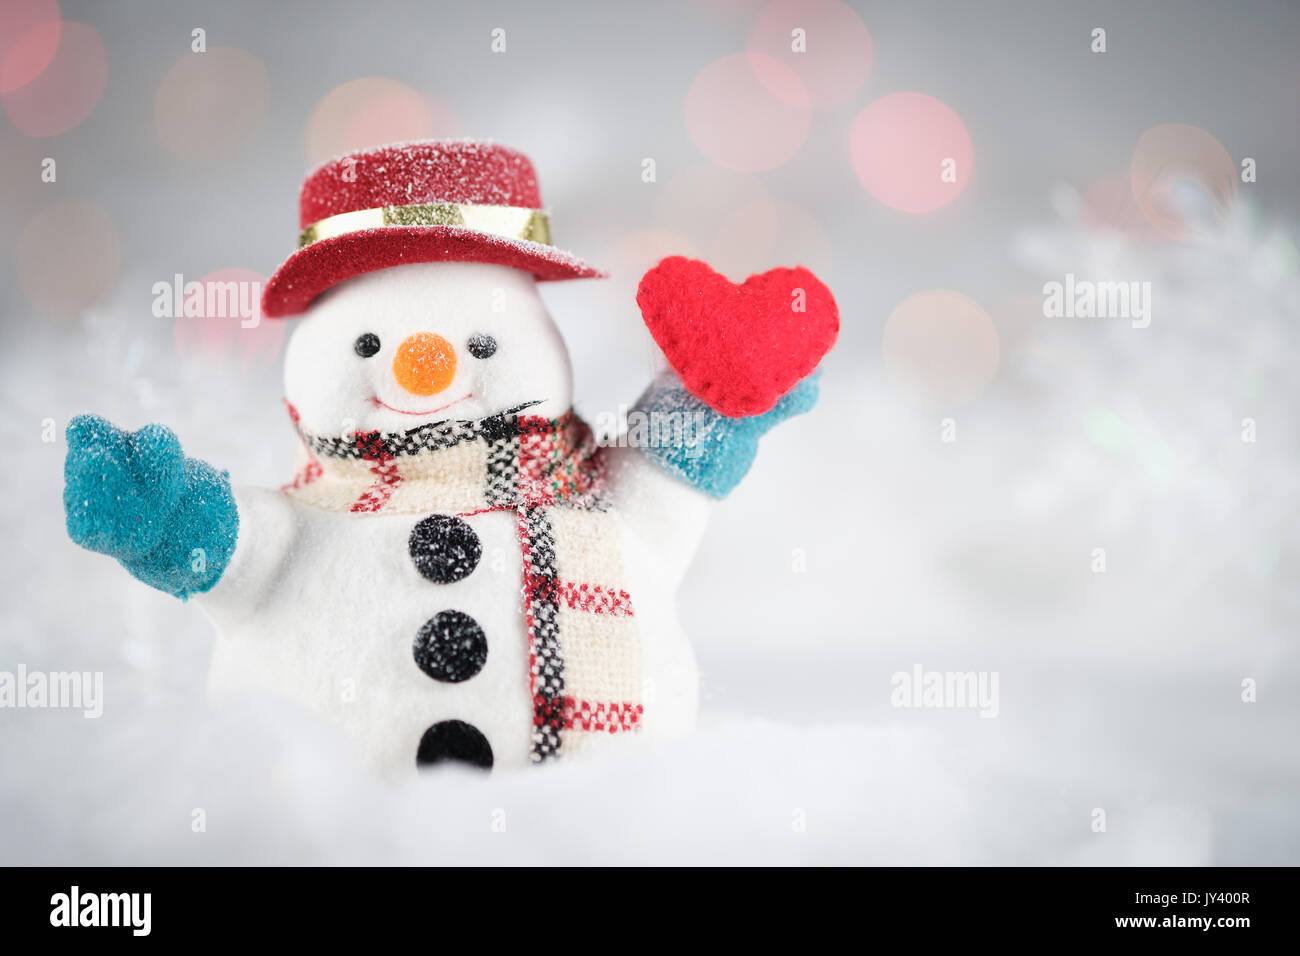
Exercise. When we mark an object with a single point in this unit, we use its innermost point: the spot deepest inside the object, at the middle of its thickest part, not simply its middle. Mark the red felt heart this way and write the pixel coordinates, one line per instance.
(739, 348)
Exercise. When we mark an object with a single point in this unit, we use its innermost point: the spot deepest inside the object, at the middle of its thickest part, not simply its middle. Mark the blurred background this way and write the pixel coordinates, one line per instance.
(1099, 510)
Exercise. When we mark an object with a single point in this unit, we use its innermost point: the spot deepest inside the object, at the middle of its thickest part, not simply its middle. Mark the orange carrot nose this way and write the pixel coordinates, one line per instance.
(425, 364)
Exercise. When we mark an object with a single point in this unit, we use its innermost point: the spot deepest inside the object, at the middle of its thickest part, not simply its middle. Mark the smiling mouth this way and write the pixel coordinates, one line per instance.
(374, 399)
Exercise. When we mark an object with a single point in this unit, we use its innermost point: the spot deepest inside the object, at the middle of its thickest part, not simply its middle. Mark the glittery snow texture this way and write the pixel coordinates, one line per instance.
(459, 171)
(455, 171)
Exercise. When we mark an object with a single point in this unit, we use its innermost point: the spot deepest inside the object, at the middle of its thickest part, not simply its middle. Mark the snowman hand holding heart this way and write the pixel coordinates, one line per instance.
(709, 451)
(743, 358)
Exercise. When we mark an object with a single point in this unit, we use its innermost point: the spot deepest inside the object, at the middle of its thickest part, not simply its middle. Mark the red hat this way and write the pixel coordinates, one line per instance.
(431, 201)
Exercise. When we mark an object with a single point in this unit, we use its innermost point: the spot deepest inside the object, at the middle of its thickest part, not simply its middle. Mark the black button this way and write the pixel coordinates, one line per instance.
(451, 647)
(454, 740)
(444, 548)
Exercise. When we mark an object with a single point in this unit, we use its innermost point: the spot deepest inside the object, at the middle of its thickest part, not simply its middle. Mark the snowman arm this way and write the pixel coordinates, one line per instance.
(664, 515)
(269, 532)
(171, 521)
(699, 446)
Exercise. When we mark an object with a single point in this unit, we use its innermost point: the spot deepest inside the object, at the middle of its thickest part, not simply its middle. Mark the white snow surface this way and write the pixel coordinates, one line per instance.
(1118, 691)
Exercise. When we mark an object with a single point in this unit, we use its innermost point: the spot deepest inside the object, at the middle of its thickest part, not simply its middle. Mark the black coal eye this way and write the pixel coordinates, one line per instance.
(367, 344)
(482, 345)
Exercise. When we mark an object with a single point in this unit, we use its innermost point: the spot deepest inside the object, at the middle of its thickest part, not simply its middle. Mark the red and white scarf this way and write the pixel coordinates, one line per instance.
(584, 649)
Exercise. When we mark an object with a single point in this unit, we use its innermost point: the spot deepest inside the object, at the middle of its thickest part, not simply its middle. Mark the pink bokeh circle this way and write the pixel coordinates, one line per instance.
(836, 55)
(745, 123)
(1109, 206)
(941, 345)
(68, 256)
(229, 322)
(697, 198)
(766, 233)
(209, 104)
(631, 255)
(628, 258)
(1175, 156)
(370, 111)
(912, 152)
(68, 89)
(26, 51)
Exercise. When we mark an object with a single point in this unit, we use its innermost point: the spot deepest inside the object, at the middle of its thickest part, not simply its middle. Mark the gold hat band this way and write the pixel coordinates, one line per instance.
(510, 222)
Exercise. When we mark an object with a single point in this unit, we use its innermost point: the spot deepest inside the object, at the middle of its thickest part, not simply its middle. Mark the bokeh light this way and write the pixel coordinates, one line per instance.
(764, 233)
(733, 222)
(235, 328)
(20, 161)
(371, 111)
(68, 256)
(67, 90)
(729, 7)
(632, 254)
(941, 345)
(837, 55)
(1109, 205)
(1183, 179)
(745, 123)
(209, 104)
(696, 199)
(912, 152)
(627, 259)
(26, 51)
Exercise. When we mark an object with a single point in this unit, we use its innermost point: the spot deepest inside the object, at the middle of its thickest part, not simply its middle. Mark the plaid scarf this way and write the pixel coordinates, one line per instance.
(584, 650)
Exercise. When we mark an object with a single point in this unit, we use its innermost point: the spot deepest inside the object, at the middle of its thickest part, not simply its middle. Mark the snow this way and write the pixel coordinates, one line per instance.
(1118, 691)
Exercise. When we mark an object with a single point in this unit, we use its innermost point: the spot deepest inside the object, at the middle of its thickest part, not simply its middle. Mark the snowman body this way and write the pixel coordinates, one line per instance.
(457, 572)
(406, 598)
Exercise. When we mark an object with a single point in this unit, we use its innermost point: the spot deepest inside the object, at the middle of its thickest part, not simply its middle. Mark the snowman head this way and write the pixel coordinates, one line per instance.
(401, 347)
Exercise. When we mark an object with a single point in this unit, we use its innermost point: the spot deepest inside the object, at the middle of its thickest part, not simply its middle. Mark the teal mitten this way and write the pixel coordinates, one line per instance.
(702, 447)
(169, 520)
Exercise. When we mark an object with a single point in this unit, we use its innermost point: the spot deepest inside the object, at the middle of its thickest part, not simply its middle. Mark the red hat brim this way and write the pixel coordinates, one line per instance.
(325, 263)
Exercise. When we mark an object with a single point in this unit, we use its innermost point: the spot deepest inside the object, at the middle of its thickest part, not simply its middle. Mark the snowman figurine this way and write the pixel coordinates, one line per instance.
(458, 571)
